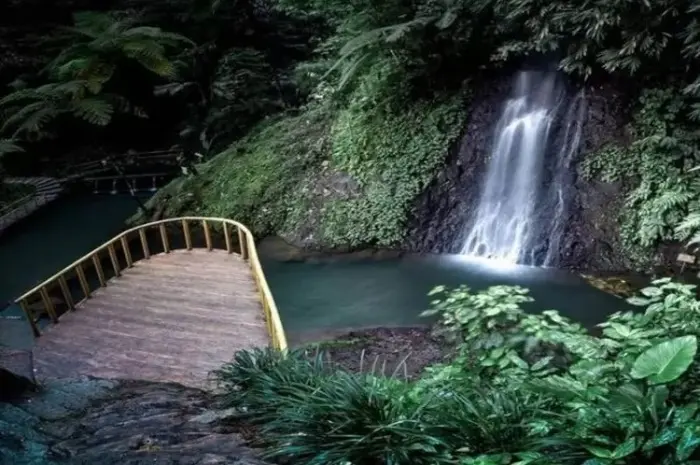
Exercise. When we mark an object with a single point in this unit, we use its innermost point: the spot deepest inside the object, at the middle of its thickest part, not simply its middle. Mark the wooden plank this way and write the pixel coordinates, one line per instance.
(172, 318)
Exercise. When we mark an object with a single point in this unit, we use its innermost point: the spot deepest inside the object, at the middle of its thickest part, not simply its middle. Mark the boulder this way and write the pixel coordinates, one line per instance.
(16, 373)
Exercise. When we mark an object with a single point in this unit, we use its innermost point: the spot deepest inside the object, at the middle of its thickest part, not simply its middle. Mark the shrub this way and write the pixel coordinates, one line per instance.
(627, 397)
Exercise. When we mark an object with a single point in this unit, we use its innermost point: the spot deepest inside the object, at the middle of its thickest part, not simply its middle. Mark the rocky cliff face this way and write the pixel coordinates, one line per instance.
(590, 239)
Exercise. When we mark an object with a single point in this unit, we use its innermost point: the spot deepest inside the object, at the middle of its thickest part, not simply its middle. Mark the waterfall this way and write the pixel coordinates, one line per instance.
(523, 192)
(563, 175)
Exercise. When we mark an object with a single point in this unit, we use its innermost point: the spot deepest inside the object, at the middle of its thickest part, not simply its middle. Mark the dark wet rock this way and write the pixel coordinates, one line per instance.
(440, 213)
(214, 416)
(91, 421)
(16, 373)
(590, 239)
(616, 285)
(277, 249)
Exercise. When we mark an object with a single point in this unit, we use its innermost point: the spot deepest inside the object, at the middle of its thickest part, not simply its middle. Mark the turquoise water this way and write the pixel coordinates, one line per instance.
(50, 240)
(314, 297)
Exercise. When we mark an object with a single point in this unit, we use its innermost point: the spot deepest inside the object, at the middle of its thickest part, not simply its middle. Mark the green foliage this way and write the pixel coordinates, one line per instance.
(393, 152)
(258, 179)
(80, 75)
(500, 341)
(656, 164)
(239, 90)
(665, 362)
(99, 40)
(9, 146)
(590, 37)
(321, 416)
(610, 399)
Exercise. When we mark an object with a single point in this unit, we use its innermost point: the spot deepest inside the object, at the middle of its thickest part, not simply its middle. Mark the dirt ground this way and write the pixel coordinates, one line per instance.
(403, 352)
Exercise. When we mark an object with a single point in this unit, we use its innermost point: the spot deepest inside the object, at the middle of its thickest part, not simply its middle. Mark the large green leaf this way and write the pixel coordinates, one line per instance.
(667, 361)
(690, 440)
(626, 448)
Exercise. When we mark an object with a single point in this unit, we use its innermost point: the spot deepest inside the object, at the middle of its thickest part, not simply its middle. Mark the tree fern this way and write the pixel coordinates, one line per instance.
(94, 110)
(101, 39)
(9, 146)
(98, 42)
(29, 121)
(689, 229)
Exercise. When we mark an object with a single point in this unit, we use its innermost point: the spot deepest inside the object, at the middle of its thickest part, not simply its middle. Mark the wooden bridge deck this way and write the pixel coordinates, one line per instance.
(172, 318)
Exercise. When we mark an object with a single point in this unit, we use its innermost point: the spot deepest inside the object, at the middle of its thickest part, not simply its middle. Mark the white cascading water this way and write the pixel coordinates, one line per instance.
(503, 227)
(564, 175)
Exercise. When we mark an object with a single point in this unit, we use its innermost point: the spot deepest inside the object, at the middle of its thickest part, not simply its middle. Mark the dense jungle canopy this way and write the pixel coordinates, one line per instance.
(338, 114)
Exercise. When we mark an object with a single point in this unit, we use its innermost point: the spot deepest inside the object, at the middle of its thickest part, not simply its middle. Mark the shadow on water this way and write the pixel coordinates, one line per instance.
(49, 240)
(316, 297)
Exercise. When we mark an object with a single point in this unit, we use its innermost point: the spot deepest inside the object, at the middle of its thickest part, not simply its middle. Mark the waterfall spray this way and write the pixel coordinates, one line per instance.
(512, 195)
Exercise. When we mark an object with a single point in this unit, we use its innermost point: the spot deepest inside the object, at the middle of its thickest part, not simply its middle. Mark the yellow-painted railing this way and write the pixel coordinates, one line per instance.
(118, 247)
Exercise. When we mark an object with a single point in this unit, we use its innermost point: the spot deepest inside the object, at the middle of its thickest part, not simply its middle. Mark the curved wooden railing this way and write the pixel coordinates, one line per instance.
(119, 247)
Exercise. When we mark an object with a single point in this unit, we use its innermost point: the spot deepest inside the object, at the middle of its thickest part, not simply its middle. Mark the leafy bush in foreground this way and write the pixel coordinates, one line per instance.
(522, 390)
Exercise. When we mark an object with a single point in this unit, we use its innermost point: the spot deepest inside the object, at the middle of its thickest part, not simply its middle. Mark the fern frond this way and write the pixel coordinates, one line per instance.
(689, 225)
(19, 96)
(155, 33)
(32, 126)
(91, 23)
(672, 199)
(352, 70)
(172, 88)
(71, 89)
(154, 62)
(94, 110)
(16, 119)
(9, 146)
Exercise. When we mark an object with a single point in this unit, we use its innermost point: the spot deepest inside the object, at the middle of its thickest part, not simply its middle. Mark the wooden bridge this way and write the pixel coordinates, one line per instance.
(150, 304)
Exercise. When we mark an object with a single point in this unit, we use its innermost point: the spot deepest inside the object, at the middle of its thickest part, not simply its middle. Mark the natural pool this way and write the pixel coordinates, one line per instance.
(314, 297)
(341, 294)
(49, 240)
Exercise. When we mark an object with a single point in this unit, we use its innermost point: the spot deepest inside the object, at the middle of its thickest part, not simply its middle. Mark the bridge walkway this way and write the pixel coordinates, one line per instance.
(173, 315)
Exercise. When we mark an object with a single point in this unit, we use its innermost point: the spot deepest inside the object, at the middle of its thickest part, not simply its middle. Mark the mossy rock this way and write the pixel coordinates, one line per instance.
(614, 285)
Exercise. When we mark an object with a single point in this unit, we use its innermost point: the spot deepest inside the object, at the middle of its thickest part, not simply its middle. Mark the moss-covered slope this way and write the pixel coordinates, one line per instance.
(331, 176)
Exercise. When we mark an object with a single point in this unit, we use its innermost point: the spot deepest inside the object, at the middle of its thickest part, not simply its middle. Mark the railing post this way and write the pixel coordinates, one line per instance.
(113, 259)
(164, 238)
(243, 244)
(186, 232)
(30, 317)
(98, 267)
(127, 252)
(66, 292)
(144, 244)
(50, 309)
(207, 234)
(227, 237)
(83, 280)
